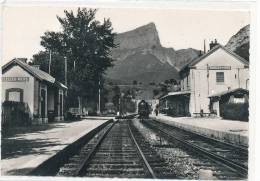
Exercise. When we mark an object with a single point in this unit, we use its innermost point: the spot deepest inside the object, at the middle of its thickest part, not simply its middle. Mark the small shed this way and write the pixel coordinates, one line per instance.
(41, 93)
(233, 102)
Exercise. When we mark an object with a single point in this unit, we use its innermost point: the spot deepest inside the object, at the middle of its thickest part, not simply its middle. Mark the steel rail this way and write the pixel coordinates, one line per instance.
(240, 169)
(243, 148)
(86, 161)
(149, 168)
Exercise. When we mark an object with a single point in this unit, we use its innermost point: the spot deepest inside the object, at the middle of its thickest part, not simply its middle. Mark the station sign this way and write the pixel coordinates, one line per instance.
(15, 79)
(219, 67)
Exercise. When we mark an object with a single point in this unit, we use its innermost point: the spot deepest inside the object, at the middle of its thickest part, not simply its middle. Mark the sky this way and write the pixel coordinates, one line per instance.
(177, 28)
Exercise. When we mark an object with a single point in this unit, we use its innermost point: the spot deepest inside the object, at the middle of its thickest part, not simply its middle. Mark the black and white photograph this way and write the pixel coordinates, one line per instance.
(117, 90)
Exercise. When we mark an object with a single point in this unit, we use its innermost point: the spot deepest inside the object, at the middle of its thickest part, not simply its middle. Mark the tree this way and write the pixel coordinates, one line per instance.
(173, 81)
(57, 64)
(86, 43)
(166, 81)
(116, 97)
(164, 89)
(156, 92)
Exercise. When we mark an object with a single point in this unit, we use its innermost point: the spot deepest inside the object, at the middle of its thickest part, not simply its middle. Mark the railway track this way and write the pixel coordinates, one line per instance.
(230, 156)
(117, 151)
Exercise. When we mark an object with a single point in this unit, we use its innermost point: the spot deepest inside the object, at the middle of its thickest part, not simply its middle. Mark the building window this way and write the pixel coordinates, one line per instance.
(14, 94)
(239, 100)
(219, 77)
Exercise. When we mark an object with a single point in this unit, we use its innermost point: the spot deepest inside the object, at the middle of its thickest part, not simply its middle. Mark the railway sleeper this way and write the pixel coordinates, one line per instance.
(117, 175)
(115, 154)
(115, 171)
(116, 166)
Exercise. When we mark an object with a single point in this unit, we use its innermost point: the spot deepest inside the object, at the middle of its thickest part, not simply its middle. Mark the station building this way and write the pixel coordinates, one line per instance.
(43, 95)
(216, 71)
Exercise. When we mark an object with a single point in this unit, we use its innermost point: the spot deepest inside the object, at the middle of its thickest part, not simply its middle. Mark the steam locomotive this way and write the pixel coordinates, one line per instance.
(143, 109)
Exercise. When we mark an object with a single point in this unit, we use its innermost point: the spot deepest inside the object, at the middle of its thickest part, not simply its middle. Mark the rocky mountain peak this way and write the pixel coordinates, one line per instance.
(239, 43)
(241, 37)
(142, 37)
(141, 57)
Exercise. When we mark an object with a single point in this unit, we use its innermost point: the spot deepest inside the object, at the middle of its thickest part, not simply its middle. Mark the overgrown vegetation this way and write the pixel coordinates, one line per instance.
(86, 43)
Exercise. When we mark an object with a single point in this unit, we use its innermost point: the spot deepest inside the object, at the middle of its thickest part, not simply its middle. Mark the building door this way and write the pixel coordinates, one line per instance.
(43, 103)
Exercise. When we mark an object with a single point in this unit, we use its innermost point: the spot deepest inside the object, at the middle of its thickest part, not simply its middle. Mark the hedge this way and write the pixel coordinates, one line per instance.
(235, 111)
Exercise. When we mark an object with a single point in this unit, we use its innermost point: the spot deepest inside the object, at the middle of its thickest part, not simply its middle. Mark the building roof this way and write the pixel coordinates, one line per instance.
(176, 93)
(219, 94)
(159, 95)
(37, 73)
(60, 85)
(197, 60)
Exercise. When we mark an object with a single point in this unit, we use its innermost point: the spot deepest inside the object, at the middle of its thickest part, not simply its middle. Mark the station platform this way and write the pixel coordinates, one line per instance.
(24, 150)
(231, 131)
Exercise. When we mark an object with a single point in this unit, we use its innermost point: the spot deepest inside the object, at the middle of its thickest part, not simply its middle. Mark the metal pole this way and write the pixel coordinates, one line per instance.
(204, 46)
(66, 83)
(50, 63)
(208, 77)
(99, 97)
(119, 105)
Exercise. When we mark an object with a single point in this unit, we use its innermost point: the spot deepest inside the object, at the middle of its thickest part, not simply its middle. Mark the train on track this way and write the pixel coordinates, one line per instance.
(143, 109)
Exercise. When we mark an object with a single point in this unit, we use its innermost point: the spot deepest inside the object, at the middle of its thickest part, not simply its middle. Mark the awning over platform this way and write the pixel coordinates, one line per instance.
(176, 94)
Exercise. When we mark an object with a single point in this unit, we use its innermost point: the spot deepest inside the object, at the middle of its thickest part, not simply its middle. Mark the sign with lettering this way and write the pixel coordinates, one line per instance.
(15, 79)
(219, 67)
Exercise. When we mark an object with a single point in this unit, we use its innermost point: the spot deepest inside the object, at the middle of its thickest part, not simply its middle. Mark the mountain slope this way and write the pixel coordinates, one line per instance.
(140, 56)
(239, 43)
(144, 68)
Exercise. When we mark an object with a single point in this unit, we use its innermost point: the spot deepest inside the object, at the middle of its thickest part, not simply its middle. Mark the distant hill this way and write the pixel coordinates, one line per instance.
(141, 57)
(239, 43)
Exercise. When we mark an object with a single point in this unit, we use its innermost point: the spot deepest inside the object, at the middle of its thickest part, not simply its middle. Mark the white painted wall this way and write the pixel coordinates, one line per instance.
(28, 86)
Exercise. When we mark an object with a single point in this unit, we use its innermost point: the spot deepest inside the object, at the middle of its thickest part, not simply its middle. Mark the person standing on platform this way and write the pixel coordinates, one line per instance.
(156, 110)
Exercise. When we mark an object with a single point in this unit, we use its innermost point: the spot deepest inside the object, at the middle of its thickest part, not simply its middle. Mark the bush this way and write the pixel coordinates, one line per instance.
(235, 111)
(92, 113)
(15, 114)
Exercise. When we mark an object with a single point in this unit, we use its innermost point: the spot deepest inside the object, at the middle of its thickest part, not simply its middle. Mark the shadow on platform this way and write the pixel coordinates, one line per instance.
(16, 142)
(18, 171)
